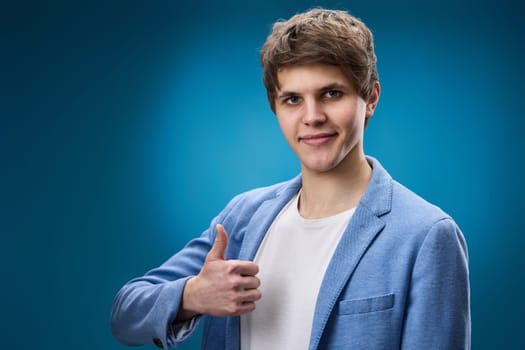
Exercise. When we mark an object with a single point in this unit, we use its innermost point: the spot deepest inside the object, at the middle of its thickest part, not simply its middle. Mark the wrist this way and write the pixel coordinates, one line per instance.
(188, 308)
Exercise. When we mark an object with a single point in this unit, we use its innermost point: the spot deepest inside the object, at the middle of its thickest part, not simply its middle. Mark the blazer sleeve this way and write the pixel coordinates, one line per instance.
(438, 306)
(144, 309)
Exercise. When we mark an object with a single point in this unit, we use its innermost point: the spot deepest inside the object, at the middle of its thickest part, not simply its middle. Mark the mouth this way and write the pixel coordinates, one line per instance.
(317, 139)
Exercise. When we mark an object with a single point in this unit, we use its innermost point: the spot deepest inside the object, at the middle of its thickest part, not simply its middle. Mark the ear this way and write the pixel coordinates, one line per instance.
(371, 104)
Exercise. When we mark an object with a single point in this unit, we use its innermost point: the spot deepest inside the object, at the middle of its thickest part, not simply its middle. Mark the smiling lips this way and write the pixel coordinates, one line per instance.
(317, 139)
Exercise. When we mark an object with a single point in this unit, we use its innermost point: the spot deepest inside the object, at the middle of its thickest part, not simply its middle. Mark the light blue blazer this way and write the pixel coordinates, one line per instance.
(398, 278)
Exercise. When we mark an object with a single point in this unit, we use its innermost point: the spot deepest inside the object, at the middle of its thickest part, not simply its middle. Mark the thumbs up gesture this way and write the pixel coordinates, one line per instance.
(218, 250)
(222, 287)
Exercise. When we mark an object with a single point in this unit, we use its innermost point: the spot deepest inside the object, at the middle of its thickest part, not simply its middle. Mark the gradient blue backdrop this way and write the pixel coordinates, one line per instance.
(126, 126)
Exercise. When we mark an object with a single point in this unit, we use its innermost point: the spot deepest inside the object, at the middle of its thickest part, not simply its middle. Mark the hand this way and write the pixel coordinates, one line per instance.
(222, 287)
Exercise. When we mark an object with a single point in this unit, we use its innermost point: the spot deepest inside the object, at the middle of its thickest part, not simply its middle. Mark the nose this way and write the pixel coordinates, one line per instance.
(313, 113)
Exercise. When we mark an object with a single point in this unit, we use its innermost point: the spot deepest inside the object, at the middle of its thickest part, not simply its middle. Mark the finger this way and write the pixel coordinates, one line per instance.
(218, 250)
(250, 282)
(244, 308)
(250, 295)
(247, 268)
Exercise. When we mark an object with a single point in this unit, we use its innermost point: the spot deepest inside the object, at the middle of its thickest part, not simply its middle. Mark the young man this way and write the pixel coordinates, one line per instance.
(340, 257)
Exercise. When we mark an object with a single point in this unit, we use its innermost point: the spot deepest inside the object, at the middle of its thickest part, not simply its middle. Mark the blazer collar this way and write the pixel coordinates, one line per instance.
(264, 216)
(378, 195)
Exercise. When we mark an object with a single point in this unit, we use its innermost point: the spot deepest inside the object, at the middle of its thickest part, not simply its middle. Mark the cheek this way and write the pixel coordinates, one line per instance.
(354, 119)
(286, 125)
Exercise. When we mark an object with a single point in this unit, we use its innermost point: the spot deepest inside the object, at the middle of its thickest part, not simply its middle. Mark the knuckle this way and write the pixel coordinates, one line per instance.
(232, 266)
(235, 283)
(234, 299)
(234, 309)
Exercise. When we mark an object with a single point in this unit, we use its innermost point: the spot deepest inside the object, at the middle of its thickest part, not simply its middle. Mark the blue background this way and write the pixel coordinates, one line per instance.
(126, 126)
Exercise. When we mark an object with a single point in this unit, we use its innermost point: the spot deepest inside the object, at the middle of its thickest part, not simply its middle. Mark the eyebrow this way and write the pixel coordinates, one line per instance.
(331, 86)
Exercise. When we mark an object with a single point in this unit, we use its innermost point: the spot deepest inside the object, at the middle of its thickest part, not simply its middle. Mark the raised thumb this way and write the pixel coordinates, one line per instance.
(218, 250)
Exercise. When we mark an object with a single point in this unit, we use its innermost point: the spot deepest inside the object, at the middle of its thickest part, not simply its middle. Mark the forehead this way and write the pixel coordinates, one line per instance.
(310, 76)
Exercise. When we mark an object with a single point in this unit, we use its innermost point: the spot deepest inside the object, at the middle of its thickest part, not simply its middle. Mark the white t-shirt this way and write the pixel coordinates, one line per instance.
(292, 261)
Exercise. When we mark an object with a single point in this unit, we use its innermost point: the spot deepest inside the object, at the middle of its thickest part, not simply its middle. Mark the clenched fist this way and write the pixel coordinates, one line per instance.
(222, 287)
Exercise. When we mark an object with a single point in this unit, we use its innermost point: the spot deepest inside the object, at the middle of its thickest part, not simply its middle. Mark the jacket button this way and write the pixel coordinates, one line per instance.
(158, 342)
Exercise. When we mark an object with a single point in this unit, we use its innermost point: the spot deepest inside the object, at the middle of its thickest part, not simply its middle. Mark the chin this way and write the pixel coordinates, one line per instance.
(319, 167)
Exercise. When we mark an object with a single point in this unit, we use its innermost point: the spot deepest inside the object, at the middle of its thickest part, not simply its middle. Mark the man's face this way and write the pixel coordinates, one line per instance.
(321, 116)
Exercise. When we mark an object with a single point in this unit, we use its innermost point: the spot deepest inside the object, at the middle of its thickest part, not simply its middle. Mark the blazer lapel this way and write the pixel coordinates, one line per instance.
(364, 226)
(263, 218)
(255, 232)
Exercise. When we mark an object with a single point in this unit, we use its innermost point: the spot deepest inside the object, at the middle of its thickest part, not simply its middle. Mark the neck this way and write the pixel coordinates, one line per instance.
(328, 193)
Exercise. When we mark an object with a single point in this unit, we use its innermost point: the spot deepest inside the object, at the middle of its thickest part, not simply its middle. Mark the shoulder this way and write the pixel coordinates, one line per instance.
(413, 217)
(411, 205)
(405, 213)
(392, 201)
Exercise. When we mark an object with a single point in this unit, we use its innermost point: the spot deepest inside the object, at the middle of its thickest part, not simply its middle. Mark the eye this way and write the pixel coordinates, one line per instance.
(292, 100)
(332, 94)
